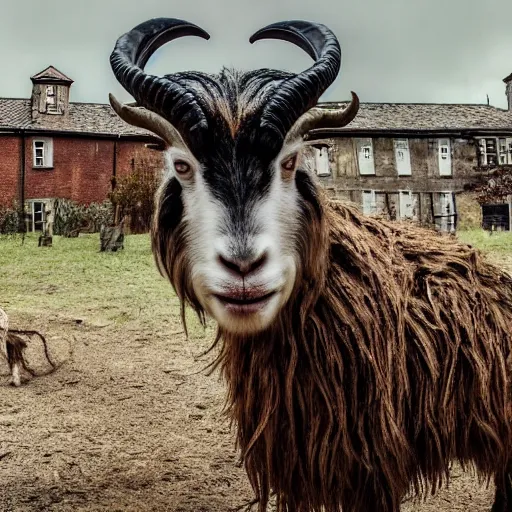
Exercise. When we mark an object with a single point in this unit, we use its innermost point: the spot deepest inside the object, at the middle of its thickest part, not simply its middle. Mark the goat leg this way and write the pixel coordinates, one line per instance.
(15, 347)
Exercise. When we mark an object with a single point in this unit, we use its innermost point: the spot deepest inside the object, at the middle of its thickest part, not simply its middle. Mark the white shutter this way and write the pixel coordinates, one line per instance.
(509, 151)
(369, 202)
(402, 157)
(406, 204)
(447, 207)
(322, 162)
(445, 157)
(365, 157)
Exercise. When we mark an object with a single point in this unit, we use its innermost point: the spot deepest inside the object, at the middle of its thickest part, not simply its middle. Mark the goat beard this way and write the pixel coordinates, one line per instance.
(371, 383)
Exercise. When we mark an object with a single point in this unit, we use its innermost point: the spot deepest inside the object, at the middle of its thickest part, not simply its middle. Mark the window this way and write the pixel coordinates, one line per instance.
(322, 161)
(488, 153)
(51, 99)
(36, 215)
(43, 153)
(365, 156)
(502, 145)
(369, 202)
(402, 157)
(495, 151)
(445, 157)
(506, 151)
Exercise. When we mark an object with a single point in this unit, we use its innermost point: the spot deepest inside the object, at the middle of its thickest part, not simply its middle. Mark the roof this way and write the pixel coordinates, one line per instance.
(83, 118)
(51, 74)
(427, 117)
(100, 119)
(508, 78)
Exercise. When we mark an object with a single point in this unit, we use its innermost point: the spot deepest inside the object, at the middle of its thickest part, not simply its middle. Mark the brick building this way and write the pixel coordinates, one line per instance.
(53, 148)
(403, 160)
(415, 160)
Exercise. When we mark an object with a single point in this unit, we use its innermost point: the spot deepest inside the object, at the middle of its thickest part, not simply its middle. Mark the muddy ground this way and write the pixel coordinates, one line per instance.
(129, 422)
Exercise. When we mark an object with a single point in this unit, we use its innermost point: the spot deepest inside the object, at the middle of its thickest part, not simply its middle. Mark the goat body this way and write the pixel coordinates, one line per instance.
(361, 356)
(390, 360)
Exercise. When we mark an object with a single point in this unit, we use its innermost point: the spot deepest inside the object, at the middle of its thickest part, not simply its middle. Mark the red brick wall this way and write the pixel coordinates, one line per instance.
(82, 168)
(132, 157)
(10, 148)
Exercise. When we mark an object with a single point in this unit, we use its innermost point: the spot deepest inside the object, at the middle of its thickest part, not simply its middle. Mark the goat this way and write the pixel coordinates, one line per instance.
(13, 347)
(361, 355)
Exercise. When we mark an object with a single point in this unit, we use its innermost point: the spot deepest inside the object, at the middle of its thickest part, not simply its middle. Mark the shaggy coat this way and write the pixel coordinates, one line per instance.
(390, 360)
(382, 350)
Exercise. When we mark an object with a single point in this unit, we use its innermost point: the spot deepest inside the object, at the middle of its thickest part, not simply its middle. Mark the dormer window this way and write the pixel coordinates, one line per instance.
(51, 99)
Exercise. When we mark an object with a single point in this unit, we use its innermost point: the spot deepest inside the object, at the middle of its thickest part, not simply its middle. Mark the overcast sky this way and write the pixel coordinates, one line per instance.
(449, 51)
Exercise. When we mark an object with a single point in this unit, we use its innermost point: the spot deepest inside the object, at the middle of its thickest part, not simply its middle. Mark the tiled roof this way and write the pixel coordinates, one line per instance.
(93, 118)
(87, 118)
(14, 113)
(51, 73)
(425, 117)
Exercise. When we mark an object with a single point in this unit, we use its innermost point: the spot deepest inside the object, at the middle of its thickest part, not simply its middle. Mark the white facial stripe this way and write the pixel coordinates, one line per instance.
(275, 219)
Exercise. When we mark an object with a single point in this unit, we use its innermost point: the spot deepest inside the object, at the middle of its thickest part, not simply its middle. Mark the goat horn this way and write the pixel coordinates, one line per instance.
(148, 120)
(298, 94)
(162, 95)
(318, 118)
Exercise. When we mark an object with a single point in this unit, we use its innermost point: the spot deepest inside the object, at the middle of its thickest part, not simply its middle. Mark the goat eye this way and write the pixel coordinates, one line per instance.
(289, 163)
(181, 167)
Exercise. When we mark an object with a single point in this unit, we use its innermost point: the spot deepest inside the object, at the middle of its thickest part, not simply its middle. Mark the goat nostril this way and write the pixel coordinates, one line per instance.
(231, 265)
(258, 263)
(243, 267)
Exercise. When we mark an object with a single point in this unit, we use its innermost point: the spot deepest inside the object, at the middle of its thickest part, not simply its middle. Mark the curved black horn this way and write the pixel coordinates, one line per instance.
(301, 92)
(159, 94)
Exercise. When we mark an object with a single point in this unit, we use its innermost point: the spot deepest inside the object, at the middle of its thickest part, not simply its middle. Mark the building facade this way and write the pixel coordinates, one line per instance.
(414, 161)
(405, 161)
(53, 148)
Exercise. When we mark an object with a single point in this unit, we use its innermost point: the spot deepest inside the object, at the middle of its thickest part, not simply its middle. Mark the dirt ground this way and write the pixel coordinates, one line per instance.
(129, 422)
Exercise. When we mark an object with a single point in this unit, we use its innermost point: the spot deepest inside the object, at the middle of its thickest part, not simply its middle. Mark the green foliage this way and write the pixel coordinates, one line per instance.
(100, 214)
(496, 188)
(134, 196)
(11, 220)
(71, 217)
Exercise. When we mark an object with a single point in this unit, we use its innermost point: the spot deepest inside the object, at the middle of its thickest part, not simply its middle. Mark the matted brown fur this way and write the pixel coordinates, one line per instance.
(390, 360)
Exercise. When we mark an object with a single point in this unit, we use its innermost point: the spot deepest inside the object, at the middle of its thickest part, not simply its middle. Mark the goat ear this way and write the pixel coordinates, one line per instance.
(148, 120)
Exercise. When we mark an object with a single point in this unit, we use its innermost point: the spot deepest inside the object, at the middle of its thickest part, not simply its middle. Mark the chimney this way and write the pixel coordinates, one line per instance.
(508, 90)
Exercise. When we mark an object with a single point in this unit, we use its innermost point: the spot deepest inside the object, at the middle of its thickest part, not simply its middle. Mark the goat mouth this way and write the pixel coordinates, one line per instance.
(244, 304)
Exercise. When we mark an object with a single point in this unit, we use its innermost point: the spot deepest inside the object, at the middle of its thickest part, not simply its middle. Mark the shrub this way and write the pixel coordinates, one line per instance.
(134, 196)
(71, 218)
(11, 220)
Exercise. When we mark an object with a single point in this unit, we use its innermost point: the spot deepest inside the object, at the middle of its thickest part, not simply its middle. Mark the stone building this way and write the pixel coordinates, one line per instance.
(53, 148)
(415, 160)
